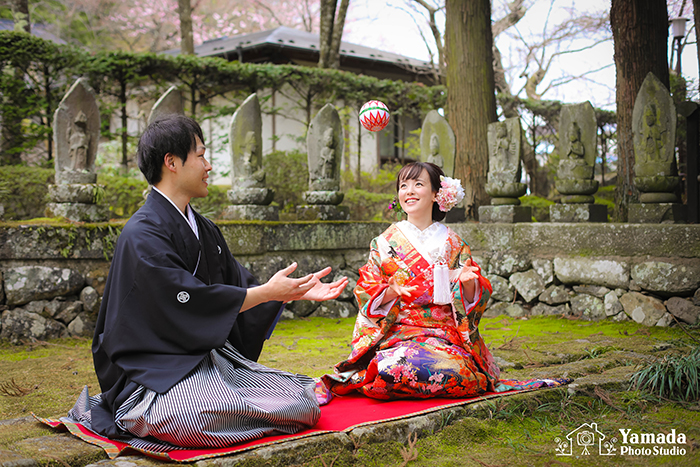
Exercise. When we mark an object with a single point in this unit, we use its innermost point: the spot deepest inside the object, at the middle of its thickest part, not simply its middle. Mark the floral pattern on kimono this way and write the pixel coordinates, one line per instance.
(412, 347)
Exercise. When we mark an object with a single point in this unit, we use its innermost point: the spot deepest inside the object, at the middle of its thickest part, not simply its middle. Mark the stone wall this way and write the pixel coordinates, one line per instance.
(52, 276)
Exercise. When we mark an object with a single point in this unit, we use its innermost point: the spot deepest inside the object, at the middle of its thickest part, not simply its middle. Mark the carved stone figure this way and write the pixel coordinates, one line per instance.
(328, 162)
(577, 150)
(76, 134)
(169, 103)
(324, 143)
(437, 142)
(76, 131)
(503, 182)
(79, 142)
(504, 142)
(655, 169)
(248, 195)
(435, 156)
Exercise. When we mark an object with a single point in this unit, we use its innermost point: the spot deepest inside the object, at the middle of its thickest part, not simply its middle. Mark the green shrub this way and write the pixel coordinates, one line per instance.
(212, 205)
(123, 195)
(24, 191)
(540, 207)
(367, 206)
(287, 174)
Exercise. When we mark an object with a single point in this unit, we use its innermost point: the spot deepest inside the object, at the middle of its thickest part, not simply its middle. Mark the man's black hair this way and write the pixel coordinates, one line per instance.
(174, 134)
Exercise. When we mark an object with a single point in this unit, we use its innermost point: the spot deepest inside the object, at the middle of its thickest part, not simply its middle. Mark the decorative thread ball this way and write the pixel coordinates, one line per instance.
(374, 115)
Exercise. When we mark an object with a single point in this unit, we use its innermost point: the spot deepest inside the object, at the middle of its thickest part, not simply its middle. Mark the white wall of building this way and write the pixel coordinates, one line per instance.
(283, 130)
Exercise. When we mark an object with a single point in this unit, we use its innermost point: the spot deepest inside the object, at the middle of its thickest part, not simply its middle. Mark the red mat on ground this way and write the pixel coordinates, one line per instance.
(342, 414)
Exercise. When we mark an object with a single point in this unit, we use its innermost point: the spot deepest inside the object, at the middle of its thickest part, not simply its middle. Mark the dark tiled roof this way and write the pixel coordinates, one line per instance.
(306, 42)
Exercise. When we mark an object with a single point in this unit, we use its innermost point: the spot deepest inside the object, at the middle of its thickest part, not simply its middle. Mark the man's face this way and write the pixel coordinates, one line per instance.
(192, 176)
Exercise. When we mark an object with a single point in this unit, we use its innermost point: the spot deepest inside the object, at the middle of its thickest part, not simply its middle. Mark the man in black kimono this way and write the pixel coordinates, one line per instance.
(182, 323)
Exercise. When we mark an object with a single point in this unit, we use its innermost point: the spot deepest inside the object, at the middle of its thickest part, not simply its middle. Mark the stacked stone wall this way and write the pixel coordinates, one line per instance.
(52, 277)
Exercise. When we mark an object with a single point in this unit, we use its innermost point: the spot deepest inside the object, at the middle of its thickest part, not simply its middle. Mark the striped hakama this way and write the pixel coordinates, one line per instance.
(227, 399)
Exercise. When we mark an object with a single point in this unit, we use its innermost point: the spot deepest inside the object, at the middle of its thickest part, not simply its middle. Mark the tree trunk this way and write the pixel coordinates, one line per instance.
(696, 14)
(471, 102)
(331, 32)
(124, 135)
(186, 39)
(640, 34)
(20, 14)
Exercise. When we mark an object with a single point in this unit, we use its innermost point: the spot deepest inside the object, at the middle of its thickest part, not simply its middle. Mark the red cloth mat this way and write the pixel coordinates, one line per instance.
(342, 414)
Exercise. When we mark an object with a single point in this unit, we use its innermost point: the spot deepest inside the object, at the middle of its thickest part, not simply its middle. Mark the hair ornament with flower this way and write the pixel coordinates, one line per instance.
(449, 194)
(396, 207)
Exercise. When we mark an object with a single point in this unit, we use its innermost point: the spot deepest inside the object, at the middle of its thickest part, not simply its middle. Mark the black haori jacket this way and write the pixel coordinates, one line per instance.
(169, 300)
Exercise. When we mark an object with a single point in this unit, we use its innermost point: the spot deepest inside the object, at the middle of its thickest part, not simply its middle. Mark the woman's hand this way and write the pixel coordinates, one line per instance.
(395, 290)
(466, 277)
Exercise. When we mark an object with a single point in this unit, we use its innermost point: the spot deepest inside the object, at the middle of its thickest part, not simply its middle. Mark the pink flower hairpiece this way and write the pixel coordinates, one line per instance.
(396, 207)
(450, 193)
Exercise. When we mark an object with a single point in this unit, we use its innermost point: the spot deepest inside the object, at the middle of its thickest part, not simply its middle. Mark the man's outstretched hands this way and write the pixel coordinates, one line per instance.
(285, 289)
(321, 291)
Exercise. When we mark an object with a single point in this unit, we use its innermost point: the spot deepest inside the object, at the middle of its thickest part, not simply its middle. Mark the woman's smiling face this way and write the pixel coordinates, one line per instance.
(416, 196)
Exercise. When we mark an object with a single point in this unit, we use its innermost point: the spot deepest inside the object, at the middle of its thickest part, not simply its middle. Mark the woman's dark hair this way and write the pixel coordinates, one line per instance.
(174, 134)
(413, 170)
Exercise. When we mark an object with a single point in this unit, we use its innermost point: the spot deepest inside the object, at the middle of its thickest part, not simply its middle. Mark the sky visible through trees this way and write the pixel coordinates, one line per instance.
(582, 66)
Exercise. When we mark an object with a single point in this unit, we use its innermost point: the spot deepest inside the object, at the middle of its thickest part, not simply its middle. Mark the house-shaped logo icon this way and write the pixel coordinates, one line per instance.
(584, 439)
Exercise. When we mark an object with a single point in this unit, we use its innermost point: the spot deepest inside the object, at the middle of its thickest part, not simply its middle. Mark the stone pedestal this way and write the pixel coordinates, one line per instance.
(78, 212)
(251, 212)
(657, 213)
(578, 213)
(323, 212)
(76, 202)
(507, 214)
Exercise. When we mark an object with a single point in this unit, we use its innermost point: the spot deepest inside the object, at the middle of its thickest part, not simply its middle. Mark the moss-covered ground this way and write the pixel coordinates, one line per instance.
(45, 378)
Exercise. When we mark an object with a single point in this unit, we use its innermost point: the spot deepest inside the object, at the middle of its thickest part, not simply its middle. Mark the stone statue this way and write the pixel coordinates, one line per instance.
(655, 170)
(169, 103)
(505, 170)
(245, 142)
(576, 149)
(578, 133)
(249, 197)
(327, 167)
(437, 142)
(653, 137)
(434, 155)
(79, 142)
(76, 132)
(324, 144)
(251, 170)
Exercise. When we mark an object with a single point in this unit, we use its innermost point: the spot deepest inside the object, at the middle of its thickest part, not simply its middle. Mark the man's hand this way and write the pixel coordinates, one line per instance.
(280, 287)
(321, 291)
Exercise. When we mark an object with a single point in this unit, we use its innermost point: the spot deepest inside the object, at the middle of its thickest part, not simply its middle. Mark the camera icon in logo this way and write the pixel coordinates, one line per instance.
(585, 439)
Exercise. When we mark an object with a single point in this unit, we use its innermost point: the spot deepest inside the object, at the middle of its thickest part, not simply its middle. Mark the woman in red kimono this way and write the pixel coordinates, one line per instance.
(421, 297)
